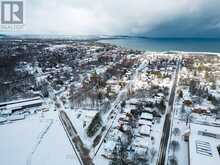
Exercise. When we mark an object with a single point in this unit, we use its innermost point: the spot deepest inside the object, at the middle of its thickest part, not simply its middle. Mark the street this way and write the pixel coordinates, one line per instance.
(117, 104)
(167, 122)
(81, 152)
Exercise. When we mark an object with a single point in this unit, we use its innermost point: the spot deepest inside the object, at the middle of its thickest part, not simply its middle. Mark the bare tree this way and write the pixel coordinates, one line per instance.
(173, 160)
(152, 153)
(174, 145)
(176, 131)
(182, 111)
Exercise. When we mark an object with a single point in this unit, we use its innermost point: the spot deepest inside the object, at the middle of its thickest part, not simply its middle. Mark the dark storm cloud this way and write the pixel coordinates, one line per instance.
(202, 23)
(159, 18)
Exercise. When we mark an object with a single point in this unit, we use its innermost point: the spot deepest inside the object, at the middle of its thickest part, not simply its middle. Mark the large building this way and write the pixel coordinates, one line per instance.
(204, 145)
(8, 108)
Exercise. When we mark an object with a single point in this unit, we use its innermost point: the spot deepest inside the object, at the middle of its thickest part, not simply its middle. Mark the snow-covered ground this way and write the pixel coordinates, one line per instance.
(181, 153)
(184, 111)
(39, 139)
(79, 118)
(153, 141)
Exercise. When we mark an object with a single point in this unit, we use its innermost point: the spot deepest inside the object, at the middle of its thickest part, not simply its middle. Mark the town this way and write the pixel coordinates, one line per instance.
(84, 102)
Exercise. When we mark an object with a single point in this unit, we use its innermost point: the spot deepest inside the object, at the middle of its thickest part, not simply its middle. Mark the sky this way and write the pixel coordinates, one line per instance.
(150, 18)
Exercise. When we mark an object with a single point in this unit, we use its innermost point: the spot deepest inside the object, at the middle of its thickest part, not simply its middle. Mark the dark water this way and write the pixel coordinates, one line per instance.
(190, 45)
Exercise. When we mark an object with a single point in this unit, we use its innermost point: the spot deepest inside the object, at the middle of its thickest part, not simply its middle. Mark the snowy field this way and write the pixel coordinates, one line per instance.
(78, 118)
(39, 140)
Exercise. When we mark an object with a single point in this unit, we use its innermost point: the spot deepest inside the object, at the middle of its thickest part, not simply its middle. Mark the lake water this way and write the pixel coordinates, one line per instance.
(190, 45)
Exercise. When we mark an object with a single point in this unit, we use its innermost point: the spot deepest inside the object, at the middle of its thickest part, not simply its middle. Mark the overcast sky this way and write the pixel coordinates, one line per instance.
(153, 18)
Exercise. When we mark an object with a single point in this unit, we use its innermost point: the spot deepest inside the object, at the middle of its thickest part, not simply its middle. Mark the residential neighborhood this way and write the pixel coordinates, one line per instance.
(93, 103)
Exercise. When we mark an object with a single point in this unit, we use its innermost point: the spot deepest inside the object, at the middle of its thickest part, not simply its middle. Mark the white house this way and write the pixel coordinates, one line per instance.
(144, 130)
(146, 116)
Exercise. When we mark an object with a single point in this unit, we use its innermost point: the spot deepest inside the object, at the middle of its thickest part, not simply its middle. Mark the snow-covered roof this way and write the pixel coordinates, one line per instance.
(140, 151)
(100, 70)
(6, 112)
(144, 130)
(147, 116)
(115, 135)
(16, 117)
(148, 109)
(203, 143)
(19, 101)
(2, 120)
(132, 101)
(141, 142)
(109, 146)
(145, 122)
(90, 114)
(123, 116)
(23, 104)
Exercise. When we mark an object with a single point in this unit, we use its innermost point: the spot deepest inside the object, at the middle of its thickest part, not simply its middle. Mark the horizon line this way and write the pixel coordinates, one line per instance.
(99, 36)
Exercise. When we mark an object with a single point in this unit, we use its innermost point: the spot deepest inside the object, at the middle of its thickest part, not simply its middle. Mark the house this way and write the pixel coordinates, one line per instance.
(200, 110)
(124, 117)
(144, 122)
(140, 152)
(187, 102)
(6, 112)
(109, 147)
(90, 114)
(146, 116)
(142, 142)
(144, 130)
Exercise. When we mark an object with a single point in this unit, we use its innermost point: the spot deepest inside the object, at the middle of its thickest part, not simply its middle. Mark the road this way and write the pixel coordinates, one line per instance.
(116, 104)
(81, 152)
(167, 122)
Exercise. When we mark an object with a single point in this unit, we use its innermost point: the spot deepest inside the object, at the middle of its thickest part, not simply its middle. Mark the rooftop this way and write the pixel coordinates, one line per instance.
(203, 143)
(147, 116)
